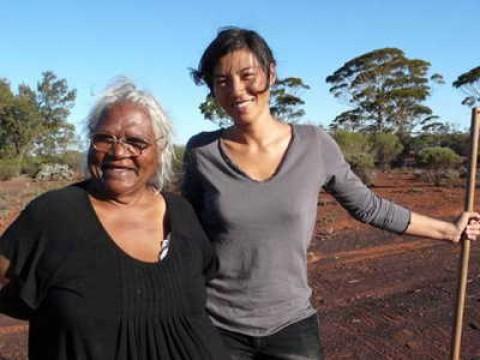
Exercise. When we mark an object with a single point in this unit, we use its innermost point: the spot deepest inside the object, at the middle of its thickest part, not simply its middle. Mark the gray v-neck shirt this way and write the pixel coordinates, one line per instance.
(262, 229)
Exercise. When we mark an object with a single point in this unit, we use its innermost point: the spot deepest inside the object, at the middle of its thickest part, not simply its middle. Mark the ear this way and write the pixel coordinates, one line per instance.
(273, 74)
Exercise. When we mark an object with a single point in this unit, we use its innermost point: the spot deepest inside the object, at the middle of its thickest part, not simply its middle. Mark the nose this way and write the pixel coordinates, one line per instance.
(118, 150)
(237, 86)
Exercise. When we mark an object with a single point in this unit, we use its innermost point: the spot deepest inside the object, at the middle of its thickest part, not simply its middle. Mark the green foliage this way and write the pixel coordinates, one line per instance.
(438, 157)
(364, 166)
(35, 121)
(352, 142)
(179, 151)
(74, 159)
(213, 112)
(32, 164)
(54, 100)
(386, 148)
(445, 177)
(357, 149)
(20, 121)
(459, 142)
(386, 90)
(469, 83)
(286, 104)
(9, 168)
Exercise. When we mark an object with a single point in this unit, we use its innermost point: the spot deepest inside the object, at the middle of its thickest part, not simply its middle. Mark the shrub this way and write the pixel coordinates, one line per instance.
(364, 166)
(386, 147)
(357, 149)
(31, 165)
(74, 159)
(9, 168)
(437, 157)
(440, 164)
(444, 177)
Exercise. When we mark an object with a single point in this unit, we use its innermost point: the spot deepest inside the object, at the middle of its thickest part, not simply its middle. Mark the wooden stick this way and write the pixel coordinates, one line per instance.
(469, 199)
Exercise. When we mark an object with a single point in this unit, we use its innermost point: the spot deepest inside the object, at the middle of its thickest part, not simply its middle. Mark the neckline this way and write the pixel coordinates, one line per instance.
(113, 245)
(278, 170)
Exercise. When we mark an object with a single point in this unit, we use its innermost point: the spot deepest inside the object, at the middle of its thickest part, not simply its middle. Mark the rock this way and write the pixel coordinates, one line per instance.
(49, 172)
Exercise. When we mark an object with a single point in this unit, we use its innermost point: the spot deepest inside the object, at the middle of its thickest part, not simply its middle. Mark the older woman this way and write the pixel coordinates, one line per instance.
(113, 268)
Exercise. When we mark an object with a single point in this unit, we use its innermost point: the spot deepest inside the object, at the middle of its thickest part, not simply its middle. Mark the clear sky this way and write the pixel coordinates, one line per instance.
(154, 42)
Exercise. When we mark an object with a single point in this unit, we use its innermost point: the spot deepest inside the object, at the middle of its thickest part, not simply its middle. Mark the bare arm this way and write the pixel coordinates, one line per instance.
(4, 265)
(468, 225)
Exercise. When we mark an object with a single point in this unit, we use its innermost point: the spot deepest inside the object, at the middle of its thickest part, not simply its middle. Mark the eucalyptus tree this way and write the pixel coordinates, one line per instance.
(386, 91)
(469, 83)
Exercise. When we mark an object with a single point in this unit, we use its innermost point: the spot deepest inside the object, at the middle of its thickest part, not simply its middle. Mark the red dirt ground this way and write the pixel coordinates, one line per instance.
(379, 295)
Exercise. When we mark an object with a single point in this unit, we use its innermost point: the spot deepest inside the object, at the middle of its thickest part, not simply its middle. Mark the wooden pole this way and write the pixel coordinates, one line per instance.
(465, 257)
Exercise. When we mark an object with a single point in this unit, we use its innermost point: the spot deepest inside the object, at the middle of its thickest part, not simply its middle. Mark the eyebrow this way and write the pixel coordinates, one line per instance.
(250, 67)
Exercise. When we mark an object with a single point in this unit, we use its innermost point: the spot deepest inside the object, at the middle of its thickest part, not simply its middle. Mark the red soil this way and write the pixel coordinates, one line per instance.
(379, 295)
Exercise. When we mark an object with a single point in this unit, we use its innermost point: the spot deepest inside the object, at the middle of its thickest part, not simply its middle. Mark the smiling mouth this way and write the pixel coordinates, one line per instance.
(117, 170)
(242, 104)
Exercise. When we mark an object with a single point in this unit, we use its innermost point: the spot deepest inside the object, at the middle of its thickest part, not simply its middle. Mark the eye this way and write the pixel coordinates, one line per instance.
(103, 139)
(137, 143)
(220, 81)
(248, 75)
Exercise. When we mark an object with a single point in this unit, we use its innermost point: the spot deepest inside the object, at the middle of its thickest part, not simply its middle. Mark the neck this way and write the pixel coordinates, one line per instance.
(133, 198)
(258, 132)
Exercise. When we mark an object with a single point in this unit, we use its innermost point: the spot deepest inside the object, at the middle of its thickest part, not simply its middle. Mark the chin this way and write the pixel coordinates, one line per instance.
(117, 187)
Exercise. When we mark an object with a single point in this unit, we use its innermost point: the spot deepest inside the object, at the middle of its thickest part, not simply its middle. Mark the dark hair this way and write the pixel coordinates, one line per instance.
(227, 41)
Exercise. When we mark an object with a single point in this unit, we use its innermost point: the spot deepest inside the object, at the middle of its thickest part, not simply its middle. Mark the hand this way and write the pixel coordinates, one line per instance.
(468, 226)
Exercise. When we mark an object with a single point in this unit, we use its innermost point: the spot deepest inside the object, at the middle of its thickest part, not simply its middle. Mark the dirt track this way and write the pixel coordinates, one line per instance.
(380, 296)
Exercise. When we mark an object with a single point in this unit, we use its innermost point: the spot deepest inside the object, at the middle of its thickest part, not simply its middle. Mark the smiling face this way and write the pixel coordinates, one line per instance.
(117, 171)
(240, 86)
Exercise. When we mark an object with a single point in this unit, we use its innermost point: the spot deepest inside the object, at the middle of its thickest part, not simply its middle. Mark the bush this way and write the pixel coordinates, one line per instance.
(386, 147)
(74, 159)
(31, 165)
(363, 165)
(9, 168)
(357, 149)
(353, 142)
(457, 141)
(444, 177)
(438, 158)
(440, 164)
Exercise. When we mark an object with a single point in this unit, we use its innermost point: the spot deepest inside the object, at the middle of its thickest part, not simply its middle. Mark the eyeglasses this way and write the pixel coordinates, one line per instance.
(133, 145)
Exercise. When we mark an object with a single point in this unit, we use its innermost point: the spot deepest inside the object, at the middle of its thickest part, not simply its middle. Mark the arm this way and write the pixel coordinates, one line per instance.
(468, 225)
(367, 207)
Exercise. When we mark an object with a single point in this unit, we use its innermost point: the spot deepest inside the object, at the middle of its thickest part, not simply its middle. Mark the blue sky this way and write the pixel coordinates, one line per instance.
(155, 42)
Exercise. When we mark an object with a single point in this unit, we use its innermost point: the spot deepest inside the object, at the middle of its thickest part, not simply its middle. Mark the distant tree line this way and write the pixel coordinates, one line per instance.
(387, 122)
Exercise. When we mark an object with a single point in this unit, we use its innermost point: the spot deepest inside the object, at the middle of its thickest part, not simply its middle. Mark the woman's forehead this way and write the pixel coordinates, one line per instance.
(125, 116)
(237, 60)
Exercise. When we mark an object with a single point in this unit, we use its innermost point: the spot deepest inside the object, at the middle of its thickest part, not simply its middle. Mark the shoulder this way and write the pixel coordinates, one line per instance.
(60, 197)
(182, 215)
(312, 134)
(203, 139)
(58, 201)
(177, 203)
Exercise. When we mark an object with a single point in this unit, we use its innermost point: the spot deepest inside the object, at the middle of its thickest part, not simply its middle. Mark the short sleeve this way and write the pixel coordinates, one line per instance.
(23, 245)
